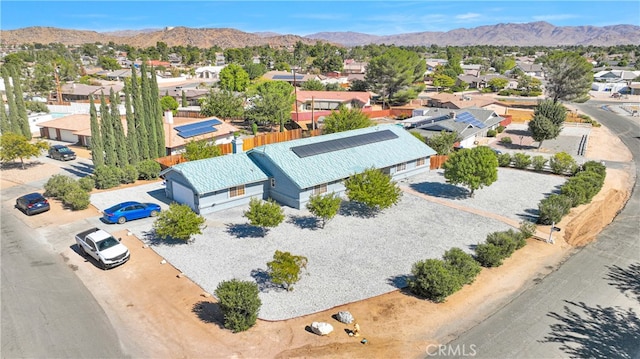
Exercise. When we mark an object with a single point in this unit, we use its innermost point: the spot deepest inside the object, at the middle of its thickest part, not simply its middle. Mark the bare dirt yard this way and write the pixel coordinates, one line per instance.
(161, 314)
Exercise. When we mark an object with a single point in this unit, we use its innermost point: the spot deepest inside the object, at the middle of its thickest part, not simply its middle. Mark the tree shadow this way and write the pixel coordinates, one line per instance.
(17, 165)
(245, 230)
(596, 332)
(160, 195)
(151, 238)
(514, 132)
(356, 209)
(80, 169)
(399, 281)
(305, 222)
(263, 279)
(441, 190)
(209, 312)
(531, 215)
(626, 280)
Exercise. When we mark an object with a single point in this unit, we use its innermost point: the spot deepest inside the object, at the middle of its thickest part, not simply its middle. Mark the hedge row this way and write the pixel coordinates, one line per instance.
(560, 163)
(73, 193)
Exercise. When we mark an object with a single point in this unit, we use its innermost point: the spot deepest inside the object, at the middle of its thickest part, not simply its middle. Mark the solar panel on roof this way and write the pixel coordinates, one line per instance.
(287, 77)
(196, 132)
(191, 126)
(338, 144)
(466, 117)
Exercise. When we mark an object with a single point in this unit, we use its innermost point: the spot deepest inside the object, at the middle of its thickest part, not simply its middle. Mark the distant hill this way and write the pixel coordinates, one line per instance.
(528, 34)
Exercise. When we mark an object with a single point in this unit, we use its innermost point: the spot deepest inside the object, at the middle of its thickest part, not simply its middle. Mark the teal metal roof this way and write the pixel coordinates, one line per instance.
(213, 174)
(326, 167)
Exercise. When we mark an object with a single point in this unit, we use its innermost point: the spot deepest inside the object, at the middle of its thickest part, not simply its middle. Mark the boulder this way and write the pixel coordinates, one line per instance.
(344, 317)
(321, 328)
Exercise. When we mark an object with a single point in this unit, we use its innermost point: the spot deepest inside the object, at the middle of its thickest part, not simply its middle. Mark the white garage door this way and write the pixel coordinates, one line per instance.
(183, 195)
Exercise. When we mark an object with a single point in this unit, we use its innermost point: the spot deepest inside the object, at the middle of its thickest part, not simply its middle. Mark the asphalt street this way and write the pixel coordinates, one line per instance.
(589, 307)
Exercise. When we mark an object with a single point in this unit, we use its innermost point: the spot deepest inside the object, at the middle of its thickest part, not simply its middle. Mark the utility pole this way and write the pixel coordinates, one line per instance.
(56, 72)
(313, 120)
(295, 90)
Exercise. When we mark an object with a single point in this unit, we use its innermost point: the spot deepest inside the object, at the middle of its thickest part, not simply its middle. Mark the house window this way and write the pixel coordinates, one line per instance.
(273, 182)
(401, 167)
(320, 189)
(236, 191)
(420, 162)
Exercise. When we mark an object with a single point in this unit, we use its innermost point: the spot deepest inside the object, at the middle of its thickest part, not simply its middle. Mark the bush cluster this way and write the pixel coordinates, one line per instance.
(239, 303)
(504, 160)
(521, 160)
(74, 194)
(506, 140)
(111, 176)
(499, 246)
(491, 133)
(579, 189)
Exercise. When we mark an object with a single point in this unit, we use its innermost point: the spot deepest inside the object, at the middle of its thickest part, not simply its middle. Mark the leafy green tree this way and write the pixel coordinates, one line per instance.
(474, 168)
(442, 81)
(325, 207)
(313, 85)
(255, 70)
(148, 169)
(553, 208)
(359, 86)
(569, 76)
(345, 119)
(444, 142)
(333, 87)
(373, 188)
(107, 176)
(433, 279)
(462, 264)
(394, 70)
(108, 63)
(35, 106)
(554, 111)
(562, 162)
(198, 150)
(178, 222)
(542, 128)
(15, 146)
(272, 103)
(223, 104)
(497, 83)
(97, 146)
(239, 303)
(122, 152)
(234, 78)
(169, 103)
(285, 269)
(264, 214)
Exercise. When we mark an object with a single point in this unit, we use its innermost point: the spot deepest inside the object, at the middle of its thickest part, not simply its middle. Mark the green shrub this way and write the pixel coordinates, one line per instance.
(562, 163)
(500, 129)
(491, 133)
(58, 185)
(462, 264)
(500, 245)
(35, 106)
(178, 222)
(528, 229)
(596, 167)
(239, 303)
(553, 208)
(87, 183)
(433, 279)
(504, 160)
(107, 176)
(76, 198)
(129, 174)
(489, 255)
(521, 160)
(506, 140)
(148, 169)
(538, 162)
(582, 187)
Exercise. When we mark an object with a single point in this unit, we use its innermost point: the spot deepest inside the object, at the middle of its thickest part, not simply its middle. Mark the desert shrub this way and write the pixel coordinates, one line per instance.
(285, 268)
(528, 229)
(76, 198)
(506, 140)
(433, 279)
(504, 160)
(521, 160)
(35, 106)
(596, 167)
(178, 222)
(148, 169)
(87, 183)
(239, 303)
(500, 129)
(129, 174)
(462, 264)
(107, 176)
(582, 187)
(58, 185)
(489, 255)
(553, 208)
(499, 245)
(491, 133)
(538, 162)
(562, 162)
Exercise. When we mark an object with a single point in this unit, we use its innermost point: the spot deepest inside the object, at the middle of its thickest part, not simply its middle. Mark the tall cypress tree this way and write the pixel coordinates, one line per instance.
(149, 113)
(5, 126)
(162, 151)
(106, 128)
(138, 113)
(122, 152)
(132, 138)
(14, 123)
(23, 117)
(97, 147)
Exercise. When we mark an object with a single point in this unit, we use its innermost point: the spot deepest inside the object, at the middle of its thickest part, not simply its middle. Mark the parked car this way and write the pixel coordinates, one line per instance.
(62, 153)
(101, 246)
(32, 203)
(128, 211)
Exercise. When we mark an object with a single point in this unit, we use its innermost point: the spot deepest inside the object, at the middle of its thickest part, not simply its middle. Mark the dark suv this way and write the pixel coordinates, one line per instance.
(32, 203)
(61, 152)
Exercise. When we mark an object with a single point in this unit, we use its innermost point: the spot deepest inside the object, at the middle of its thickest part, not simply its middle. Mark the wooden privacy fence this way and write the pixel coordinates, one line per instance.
(437, 161)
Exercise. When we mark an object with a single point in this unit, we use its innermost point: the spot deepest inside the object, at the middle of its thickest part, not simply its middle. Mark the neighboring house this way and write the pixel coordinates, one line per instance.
(477, 82)
(288, 77)
(615, 81)
(331, 100)
(433, 63)
(292, 171)
(531, 69)
(453, 101)
(73, 129)
(351, 66)
(118, 75)
(81, 93)
(220, 60)
(193, 95)
(156, 63)
(471, 69)
(209, 72)
(471, 124)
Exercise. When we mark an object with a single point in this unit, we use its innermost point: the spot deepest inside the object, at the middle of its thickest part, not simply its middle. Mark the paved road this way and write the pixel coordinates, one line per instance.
(590, 306)
(46, 310)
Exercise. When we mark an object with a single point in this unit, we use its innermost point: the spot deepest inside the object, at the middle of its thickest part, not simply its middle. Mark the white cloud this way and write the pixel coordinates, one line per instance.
(467, 16)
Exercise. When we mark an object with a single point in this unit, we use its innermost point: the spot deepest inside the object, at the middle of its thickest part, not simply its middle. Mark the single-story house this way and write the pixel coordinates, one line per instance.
(288, 77)
(74, 92)
(292, 171)
(351, 66)
(72, 129)
(192, 95)
(209, 72)
(470, 123)
(331, 100)
(456, 102)
(531, 69)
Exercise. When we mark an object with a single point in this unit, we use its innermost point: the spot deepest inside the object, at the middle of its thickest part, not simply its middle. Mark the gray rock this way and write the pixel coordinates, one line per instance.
(345, 317)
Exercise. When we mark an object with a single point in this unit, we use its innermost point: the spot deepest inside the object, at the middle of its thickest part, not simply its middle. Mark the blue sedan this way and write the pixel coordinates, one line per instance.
(128, 211)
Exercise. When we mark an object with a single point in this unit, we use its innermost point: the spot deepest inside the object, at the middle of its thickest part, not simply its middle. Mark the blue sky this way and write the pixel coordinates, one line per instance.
(375, 17)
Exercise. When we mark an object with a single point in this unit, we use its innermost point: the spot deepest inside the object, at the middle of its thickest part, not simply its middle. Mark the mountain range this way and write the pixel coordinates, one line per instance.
(526, 34)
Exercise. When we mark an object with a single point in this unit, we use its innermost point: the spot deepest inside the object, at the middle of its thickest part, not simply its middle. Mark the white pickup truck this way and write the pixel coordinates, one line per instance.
(101, 245)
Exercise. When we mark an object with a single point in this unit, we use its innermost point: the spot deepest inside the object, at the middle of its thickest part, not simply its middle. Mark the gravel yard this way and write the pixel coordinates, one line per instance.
(354, 257)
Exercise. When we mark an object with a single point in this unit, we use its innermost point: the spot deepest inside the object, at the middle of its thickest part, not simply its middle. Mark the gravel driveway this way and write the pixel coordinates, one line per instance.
(354, 257)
